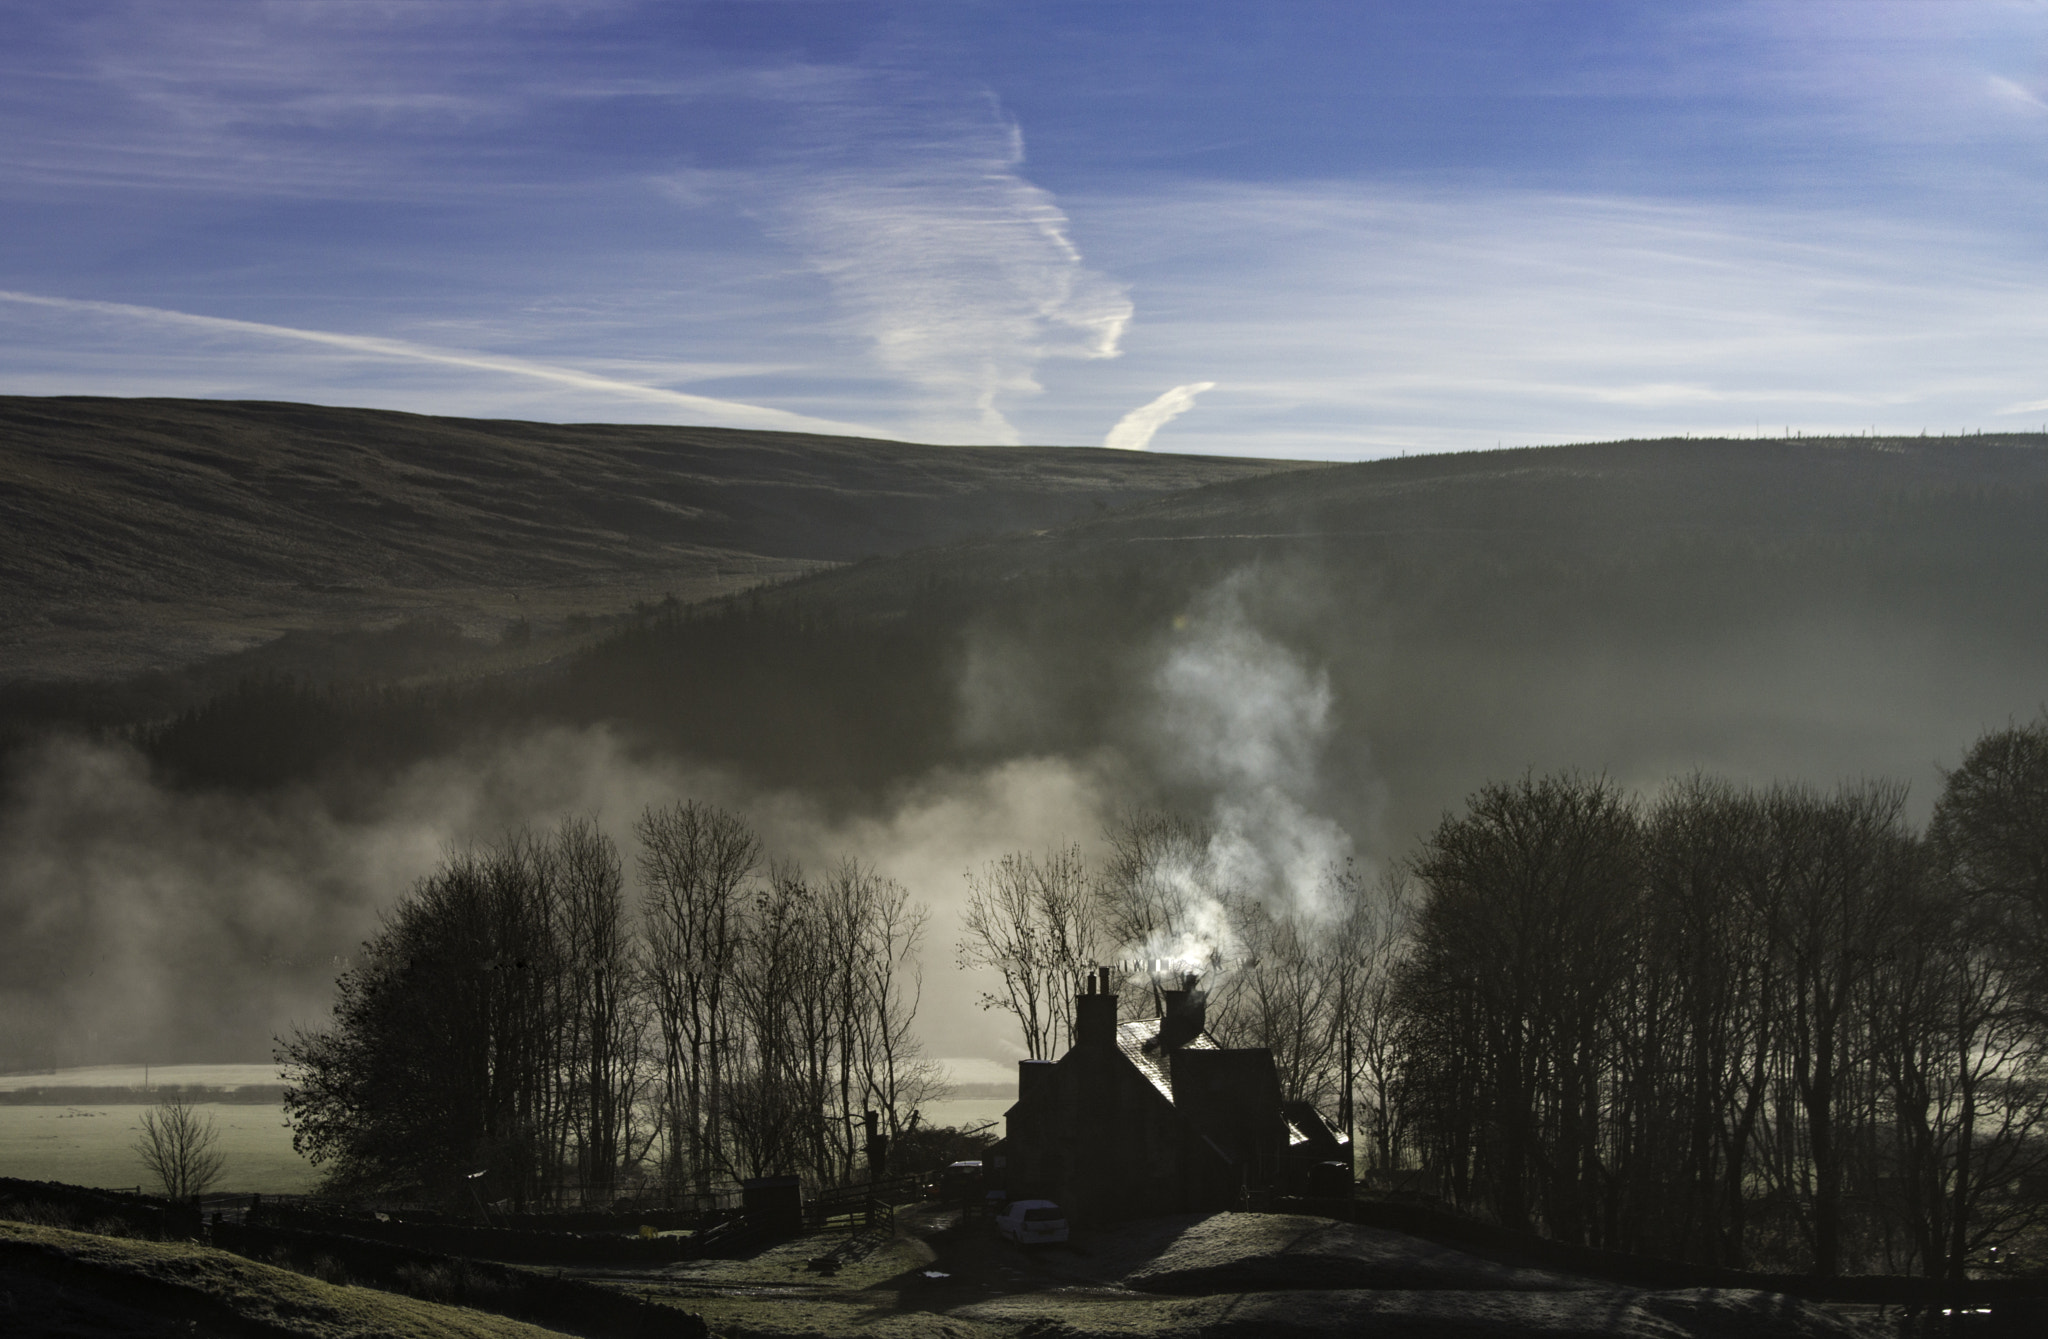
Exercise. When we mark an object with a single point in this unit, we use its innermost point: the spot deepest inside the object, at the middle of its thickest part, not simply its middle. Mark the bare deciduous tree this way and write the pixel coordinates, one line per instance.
(884, 1069)
(825, 987)
(511, 1016)
(1371, 942)
(1520, 959)
(179, 1148)
(1146, 885)
(1707, 1035)
(695, 860)
(602, 1024)
(1843, 867)
(1288, 998)
(1032, 920)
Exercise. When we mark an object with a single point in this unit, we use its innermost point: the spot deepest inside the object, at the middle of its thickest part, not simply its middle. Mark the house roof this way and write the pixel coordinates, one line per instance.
(1155, 1065)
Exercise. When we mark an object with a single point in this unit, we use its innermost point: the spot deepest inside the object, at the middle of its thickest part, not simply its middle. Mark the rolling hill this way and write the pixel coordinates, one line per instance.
(147, 534)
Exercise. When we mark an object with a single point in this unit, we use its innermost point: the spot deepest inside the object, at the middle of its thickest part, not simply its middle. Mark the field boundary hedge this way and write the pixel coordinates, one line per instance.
(140, 1215)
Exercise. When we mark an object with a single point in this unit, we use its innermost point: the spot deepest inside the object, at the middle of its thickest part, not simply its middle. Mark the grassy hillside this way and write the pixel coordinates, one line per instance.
(144, 534)
(1702, 505)
(61, 1282)
(1220, 1274)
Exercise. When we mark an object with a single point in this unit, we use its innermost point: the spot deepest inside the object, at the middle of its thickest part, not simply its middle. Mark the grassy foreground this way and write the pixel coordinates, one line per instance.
(54, 1281)
(1189, 1276)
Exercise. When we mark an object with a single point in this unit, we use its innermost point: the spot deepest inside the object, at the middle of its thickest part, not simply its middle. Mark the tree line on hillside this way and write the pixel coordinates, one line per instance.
(521, 1029)
(1768, 1028)
(792, 693)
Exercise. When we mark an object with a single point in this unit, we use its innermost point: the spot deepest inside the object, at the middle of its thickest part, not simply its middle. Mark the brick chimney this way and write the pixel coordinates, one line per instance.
(1185, 1012)
(1095, 1012)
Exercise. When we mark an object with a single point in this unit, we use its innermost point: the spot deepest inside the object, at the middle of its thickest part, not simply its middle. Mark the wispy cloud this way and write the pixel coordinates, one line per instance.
(317, 98)
(2012, 93)
(732, 412)
(1354, 320)
(934, 279)
(1823, 218)
(1133, 432)
(958, 272)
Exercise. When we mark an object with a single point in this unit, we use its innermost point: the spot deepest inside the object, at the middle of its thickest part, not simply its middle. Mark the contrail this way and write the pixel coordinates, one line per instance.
(745, 415)
(1133, 432)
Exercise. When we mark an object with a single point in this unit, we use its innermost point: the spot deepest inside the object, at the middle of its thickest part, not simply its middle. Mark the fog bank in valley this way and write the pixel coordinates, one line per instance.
(139, 922)
(148, 922)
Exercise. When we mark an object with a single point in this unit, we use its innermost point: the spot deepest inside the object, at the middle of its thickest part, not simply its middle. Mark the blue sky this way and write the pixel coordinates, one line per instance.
(1306, 229)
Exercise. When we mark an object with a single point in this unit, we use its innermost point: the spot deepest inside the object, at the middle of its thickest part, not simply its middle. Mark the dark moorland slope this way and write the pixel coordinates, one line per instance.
(1961, 503)
(140, 534)
(1801, 610)
(1810, 610)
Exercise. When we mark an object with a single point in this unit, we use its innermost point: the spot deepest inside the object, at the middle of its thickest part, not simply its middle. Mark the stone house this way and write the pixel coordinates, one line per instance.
(1152, 1117)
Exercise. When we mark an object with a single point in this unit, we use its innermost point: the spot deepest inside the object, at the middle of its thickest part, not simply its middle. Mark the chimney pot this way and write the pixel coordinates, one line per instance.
(1095, 1013)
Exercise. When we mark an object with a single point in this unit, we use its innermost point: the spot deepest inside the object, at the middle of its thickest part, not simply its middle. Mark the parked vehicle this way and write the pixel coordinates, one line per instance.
(961, 1183)
(1032, 1222)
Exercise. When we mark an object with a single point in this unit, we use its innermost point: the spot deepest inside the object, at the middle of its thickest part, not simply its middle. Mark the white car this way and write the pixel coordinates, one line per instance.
(1032, 1222)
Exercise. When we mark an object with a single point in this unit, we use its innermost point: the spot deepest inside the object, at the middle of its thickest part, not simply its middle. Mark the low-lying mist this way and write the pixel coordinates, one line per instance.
(1306, 708)
(141, 922)
(147, 921)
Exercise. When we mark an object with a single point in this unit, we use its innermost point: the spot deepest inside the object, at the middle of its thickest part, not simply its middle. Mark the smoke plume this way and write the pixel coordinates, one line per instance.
(1244, 719)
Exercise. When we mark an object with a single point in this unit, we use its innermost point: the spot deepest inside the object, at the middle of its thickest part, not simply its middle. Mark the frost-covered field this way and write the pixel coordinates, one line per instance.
(94, 1146)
